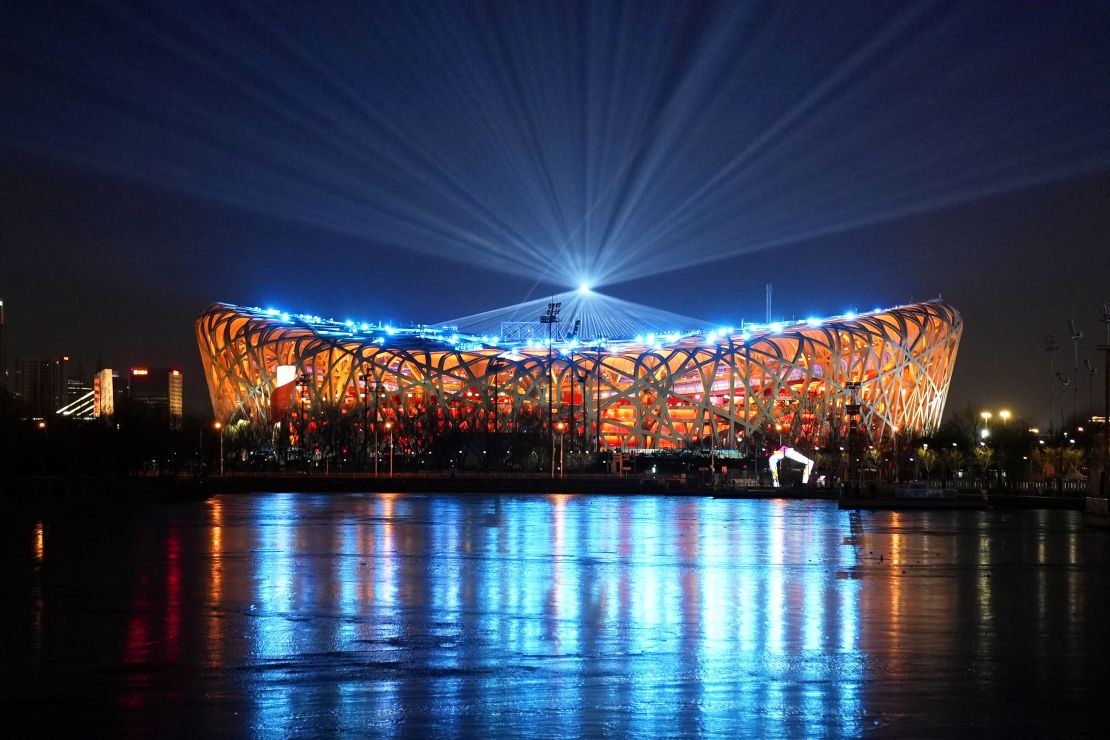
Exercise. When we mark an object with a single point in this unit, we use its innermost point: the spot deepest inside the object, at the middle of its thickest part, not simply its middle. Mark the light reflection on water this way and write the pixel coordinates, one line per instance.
(607, 614)
(292, 614)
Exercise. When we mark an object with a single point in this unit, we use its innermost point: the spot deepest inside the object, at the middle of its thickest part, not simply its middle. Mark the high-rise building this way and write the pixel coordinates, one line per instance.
(104, 393)
(80, 399)
(156, 391)
(40, 385)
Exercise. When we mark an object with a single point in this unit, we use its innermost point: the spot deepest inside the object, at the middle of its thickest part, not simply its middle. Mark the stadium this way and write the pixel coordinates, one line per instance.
(311, 381)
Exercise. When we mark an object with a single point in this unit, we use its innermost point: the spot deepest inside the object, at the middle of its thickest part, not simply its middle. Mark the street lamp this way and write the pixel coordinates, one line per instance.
(389, 428)
(219, 427)
(364, 380)
(551, 318)
(1104, 483)
(582, 378)
(597, 402)
(302, 389)
(852, 410)
(562, 429)
(496, 365)
(378, 388)
(1004, 415)
(572, 374)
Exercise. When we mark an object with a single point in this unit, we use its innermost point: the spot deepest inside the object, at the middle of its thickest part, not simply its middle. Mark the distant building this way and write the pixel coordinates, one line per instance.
(77, 387)
(156, 392)
(80, 401)
(104, 393)
(40, 385)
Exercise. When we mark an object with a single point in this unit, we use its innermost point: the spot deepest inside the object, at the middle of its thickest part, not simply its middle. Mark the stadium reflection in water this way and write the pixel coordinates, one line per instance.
(291, 614)
(648, 615)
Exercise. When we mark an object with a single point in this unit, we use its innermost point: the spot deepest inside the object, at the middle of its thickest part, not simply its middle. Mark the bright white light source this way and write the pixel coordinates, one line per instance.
(583, 288)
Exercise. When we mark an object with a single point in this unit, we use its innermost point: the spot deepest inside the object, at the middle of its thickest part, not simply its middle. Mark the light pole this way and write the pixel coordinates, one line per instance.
(389, 428)
(571, 372)
(897, 460)
(582, 378)
(1104, 484)
(495, 366)
(551, 318)
(562, 428)
(1076, 335)
(1004, 415)
(853, 410)
(302, 389)
(597, 402)
(1051, 346)
(220, 428)
(377, 415)
(364, 380)
(1091, 370)
(1064, 381)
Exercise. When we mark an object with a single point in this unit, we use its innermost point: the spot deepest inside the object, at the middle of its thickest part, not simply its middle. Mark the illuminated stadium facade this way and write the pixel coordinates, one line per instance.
(804, 382)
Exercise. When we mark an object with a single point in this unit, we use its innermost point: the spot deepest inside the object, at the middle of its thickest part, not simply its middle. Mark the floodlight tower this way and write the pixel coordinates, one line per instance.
(1076, 335)
(1051, 346)
(1091, 370)
(1064, 382)
(551, 318)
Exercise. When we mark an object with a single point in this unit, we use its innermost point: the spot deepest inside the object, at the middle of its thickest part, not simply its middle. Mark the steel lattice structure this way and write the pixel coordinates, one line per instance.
(697, 390)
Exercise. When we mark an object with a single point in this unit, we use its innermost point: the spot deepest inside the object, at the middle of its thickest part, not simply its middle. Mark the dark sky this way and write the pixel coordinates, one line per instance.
(423, 161)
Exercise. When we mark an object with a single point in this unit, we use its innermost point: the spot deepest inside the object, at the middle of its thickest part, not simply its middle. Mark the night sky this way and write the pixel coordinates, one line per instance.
(419, 161)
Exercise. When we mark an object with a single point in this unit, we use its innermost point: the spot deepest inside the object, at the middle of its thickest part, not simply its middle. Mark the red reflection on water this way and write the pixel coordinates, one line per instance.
(173, 595)
(136, 648)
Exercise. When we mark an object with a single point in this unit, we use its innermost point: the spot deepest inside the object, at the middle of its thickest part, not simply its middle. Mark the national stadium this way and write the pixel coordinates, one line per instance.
(303, 378)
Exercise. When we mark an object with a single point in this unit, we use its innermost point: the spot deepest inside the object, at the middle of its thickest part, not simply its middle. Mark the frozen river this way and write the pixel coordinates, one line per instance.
(553, 616)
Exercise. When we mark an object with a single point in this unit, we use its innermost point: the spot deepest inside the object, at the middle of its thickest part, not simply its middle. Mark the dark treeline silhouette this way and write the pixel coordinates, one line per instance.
(130, 443)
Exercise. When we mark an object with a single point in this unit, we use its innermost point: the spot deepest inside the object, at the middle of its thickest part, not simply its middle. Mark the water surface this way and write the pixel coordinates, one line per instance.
(553, 616)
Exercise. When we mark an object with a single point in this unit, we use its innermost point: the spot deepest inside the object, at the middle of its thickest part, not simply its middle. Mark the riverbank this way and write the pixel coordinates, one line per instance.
(23, 492)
